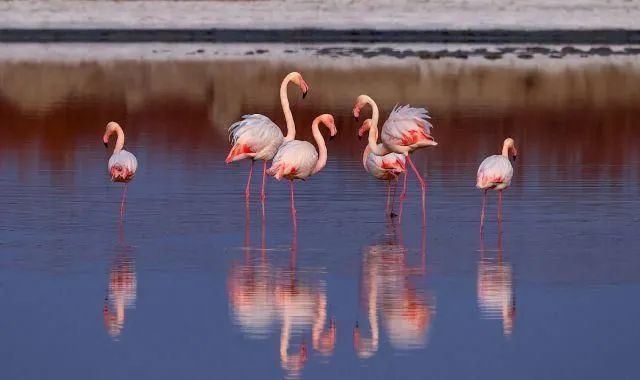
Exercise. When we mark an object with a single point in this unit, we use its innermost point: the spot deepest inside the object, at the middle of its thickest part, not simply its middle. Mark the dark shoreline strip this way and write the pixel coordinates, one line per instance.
(486, 36)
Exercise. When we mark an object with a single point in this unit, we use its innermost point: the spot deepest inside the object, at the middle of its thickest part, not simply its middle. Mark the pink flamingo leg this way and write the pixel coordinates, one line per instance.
(386, 211)
(422, 187)
(247, 190)
(263, 195)
(499, 206)
(293, 208)
(484, 204)
(124, 200)
(404, 187)
(393, 198)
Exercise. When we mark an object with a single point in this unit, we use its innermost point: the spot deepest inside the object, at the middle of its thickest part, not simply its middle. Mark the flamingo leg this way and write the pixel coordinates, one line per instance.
(499, 206)
(386, 211)
(293, 207)
(404, 187)
(484, 204)
(247, 190)
(422, 187)
(393, 198)
(124, 200)
(263, 195)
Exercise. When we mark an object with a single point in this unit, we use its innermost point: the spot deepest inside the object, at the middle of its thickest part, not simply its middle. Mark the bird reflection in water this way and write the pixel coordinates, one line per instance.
(387, 289)
(263, 295)
(496, 297)
(122, 288)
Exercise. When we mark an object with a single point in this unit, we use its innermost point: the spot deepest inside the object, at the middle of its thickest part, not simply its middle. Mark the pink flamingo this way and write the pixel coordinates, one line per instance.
(385, 168)
(406, 130)
(258, 138)
(299, 159)
(495, 172)
(122, 164)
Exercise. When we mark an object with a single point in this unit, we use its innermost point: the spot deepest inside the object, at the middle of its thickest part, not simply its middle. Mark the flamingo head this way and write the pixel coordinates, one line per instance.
(509, 146)
(329, 122)
(297, 79)
(112, 126)
(366, 125)
(360, 102)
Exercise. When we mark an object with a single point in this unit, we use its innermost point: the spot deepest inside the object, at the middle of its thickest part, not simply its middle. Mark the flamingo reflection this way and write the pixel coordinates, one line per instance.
(386, 288)
(263, 295)
(496, 297)
(122, 289)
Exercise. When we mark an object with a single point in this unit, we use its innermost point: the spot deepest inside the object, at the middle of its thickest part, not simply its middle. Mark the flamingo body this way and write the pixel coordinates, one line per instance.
(407, 129)
(295, 160)
(387, 167)
(122, 166)
(495, 172)
(255, 137)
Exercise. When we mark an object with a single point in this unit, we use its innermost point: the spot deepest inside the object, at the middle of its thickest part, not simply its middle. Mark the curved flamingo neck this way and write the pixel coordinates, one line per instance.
(115, 127)
(284, 100)
(322, 147)
(373, 132)
(365, 155)
(505, 149)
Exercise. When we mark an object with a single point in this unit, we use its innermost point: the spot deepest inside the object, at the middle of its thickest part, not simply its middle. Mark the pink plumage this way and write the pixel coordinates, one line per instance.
(495, 172)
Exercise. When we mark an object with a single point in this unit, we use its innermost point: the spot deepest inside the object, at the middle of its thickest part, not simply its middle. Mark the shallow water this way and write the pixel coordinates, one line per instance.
(191, 283)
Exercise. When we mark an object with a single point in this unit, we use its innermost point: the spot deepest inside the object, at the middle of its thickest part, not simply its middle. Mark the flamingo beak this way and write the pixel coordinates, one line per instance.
(304, 94)
(514, 158)
(106, 145)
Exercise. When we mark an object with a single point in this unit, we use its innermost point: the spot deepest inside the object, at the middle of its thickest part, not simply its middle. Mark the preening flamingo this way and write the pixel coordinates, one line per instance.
(385, 168)
(406, 130)
(258, 138)
(495, 172)
(299, 159)
(122, 164)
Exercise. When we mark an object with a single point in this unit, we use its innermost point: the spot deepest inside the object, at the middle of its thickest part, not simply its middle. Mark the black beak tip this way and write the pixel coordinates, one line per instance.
(106, 145)
(304, 94)
(359, 137)
(355, 118)
(331, 138)
(514, 158)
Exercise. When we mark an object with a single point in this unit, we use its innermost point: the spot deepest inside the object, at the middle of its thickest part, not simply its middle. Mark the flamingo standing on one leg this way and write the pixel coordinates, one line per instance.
(406, 130)
(122, 164)
(299, 159)
(385, 168)
(258, 138)
(495, 172)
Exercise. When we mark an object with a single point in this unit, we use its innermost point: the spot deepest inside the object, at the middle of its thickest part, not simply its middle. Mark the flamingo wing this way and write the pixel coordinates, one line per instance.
(295, 159)
(385, 167)
(406, 126)
(255, 136)
(494, 172)
(122, 166)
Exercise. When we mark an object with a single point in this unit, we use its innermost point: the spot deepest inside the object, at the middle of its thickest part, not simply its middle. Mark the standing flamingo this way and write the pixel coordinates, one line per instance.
(258, 138)
(406, 130)
(385, 168)
(299, 159)
(495, 172)
(122, 164)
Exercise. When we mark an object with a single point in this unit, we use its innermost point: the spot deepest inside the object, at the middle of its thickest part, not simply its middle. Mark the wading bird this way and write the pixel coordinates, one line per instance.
(299, 159)
(385, 168)
(258, 138)
(122, 164)
(406, 130)
(495, 172)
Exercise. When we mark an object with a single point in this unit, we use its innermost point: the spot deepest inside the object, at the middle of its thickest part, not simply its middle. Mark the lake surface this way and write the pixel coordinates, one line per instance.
(192, 283)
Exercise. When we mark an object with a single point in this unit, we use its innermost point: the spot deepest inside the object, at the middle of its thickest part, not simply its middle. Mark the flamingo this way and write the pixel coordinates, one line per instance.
(122, 164)
(258, 138)
(299, 159)
(495, 172)
(384, 168)
(406, 130)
